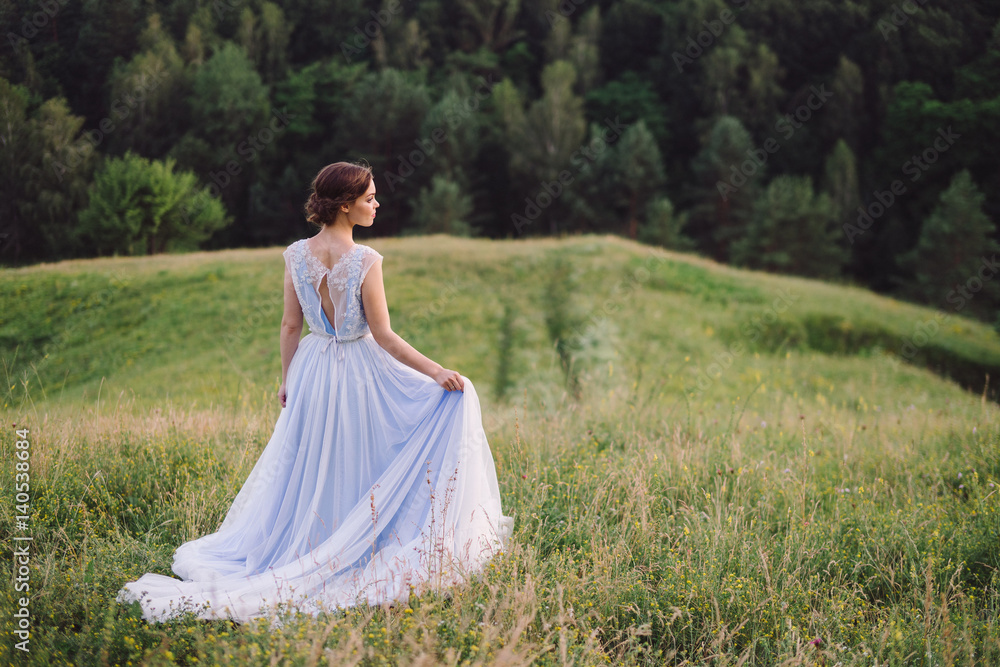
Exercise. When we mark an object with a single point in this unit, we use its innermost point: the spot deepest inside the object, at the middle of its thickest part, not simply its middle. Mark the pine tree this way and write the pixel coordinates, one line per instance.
(844, 112)
(229, 104)
(662, 226)
(147, 96)
(956, 242)
(543, 142)
(44, 170)
(580, 49)
(637, 170)
(442, 209)
(490, 23)
(793, 230)
(726, 187)
(454, 128)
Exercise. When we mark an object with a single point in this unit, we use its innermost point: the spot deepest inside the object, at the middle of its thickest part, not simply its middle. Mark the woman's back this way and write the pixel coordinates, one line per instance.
(331, 296)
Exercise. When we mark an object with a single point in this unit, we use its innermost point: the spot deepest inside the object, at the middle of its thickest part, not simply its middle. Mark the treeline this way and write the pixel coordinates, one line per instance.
(838, 139)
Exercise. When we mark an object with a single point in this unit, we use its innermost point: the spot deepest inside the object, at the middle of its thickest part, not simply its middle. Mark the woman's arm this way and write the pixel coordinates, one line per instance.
(291, 330)
(377, 313)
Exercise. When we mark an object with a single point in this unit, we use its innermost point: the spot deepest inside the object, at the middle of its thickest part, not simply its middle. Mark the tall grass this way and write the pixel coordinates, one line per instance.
(801, 508)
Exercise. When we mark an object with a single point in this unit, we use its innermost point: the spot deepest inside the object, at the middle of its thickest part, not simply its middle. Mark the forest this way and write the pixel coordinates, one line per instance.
(851, 141)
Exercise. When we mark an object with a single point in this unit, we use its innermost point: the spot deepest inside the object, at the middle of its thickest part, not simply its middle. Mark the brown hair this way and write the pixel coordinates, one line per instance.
(335, 185)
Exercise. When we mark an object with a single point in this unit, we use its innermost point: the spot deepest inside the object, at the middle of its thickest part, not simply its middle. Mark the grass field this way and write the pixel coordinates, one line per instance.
(705, 465)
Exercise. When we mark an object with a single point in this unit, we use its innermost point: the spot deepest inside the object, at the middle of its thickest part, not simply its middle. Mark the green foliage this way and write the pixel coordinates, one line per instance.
(505, 351)
(950, 262)
(631, 38)
(229, 109)
(742, 79)
(634, 173)
(442, 209)
(380, 123)
(543, 139)
(554, 125)
(725, 203)
(140, 207)
(455, 125)
(840, 181)
(663, 226)
(562, 321)
(793, 230)
(148, 96)
(44, 172)
(630, 97)
(265, 40)
(490, 25)
(843, 113)
(577, 44)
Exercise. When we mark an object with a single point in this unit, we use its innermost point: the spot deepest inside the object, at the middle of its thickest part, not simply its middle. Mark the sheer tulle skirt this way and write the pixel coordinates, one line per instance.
(375, 479)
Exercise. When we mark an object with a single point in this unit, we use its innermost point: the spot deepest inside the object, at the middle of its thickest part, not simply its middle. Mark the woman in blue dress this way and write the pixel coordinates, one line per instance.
(378, 477)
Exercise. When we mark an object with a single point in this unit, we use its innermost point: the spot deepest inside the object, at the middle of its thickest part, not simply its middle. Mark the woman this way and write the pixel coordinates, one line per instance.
(378, 476)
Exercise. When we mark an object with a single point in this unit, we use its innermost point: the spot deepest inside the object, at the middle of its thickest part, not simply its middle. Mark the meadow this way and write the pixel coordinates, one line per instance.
(705, 465)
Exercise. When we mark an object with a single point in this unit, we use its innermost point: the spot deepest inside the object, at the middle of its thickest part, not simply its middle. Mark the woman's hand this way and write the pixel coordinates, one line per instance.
(450, 380)
(282, 394)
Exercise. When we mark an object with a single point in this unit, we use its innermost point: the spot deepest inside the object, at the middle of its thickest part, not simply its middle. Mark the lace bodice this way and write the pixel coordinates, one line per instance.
(343, 280)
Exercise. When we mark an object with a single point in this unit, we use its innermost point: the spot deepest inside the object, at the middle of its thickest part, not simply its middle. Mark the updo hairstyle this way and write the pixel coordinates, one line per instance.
(335, 185)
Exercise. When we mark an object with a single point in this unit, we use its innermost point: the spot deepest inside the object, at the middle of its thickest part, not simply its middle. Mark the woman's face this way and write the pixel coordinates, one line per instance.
(362, 211)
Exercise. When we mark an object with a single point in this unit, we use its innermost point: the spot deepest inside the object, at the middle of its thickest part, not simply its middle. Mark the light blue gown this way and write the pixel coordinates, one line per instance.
(375, 479)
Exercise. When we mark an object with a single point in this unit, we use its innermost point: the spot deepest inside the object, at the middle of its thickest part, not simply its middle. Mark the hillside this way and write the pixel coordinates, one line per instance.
(202, 327)
(736, 468)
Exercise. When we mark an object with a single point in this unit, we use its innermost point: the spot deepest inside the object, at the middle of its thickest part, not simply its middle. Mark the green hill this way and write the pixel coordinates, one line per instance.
(202, 327)
(712, 466)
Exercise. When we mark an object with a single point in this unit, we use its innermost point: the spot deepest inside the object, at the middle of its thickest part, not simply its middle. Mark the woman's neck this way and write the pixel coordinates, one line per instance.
(338, 235)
